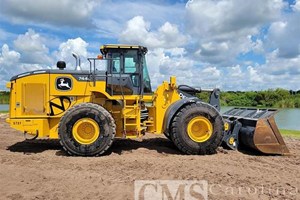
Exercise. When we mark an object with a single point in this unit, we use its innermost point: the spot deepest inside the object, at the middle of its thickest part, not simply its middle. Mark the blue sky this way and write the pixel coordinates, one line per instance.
(230, 44)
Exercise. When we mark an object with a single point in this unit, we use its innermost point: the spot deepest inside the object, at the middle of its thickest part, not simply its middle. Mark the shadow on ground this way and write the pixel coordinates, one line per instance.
(161, 145)
(34, 146)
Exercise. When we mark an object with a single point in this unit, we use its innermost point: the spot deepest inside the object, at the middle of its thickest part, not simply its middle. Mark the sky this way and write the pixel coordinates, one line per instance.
(230, 44)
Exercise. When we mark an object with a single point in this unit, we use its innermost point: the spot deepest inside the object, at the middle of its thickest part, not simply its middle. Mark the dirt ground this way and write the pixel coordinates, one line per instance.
(42, 170)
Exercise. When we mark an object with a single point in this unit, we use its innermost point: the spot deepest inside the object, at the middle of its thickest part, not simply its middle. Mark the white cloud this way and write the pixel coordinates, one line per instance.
(30, 41)
(63, 12)
(235, 72)
(31, 53)
(208, 43)
(284, 35)
(176, 51)
(219, 19)
(296, 6)
(170, 36)
(7, 57)
(10, 65)
(282, 62)
(223, 29)
(276, 65)
(65, 50)
(162, 65)
(77, 45)
(258, 46)
(212, 72)
(113, 16)
(254, 75)
(32, 48)
(215, 50)
(137, 31)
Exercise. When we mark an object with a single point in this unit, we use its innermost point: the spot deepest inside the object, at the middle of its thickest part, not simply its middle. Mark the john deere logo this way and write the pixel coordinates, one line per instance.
(63, 83)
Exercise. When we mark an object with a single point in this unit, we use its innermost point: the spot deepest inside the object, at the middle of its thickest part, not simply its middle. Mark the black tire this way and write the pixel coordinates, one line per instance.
(180, 122)
(167, 135)
(104, 121)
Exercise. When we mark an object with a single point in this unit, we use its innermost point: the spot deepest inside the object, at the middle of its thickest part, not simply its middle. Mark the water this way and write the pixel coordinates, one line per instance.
(4, 107)
(288, 119)
(285, 118)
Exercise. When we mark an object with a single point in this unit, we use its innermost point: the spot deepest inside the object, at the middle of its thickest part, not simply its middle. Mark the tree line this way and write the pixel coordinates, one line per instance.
(4, 97)
(278, 98)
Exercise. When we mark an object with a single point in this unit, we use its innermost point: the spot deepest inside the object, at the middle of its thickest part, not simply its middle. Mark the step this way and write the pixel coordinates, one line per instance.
(131, 124)
(130, 116)
(130, 106)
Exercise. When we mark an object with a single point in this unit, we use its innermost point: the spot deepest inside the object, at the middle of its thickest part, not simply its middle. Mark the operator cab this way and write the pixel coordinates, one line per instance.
(127, 71)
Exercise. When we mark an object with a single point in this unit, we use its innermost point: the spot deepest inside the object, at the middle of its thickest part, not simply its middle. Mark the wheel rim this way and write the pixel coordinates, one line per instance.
(86, 131)
(199, 129)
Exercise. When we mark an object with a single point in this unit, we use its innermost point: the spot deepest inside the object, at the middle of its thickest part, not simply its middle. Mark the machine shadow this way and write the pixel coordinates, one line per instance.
(161, 145)
(120, 146)
(34, 146)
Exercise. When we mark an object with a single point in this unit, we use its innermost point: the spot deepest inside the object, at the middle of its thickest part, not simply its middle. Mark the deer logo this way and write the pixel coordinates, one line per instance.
(63, 83)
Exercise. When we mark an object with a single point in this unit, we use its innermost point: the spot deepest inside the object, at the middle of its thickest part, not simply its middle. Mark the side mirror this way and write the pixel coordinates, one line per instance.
(61, 65)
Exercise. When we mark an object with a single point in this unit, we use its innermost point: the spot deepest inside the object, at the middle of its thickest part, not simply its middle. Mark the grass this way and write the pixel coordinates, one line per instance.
(3, 111)
(290, 133)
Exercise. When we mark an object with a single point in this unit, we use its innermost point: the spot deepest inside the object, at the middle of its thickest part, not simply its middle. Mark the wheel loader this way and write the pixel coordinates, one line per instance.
(87, 109)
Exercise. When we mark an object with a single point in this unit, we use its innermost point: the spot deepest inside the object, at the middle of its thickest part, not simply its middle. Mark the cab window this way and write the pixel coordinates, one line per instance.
(131, 62)
(146, 78)
(116, 66)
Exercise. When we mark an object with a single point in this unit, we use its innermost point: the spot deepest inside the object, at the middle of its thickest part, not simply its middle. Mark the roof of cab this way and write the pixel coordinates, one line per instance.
(103, 48)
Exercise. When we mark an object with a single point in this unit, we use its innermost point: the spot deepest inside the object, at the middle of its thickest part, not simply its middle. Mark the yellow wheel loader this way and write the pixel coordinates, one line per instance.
(87, 109)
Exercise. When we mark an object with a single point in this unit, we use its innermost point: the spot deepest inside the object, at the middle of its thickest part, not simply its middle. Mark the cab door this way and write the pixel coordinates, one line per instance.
(124, 72)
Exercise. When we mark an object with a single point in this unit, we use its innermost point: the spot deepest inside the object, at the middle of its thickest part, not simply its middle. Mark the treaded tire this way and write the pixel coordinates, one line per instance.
(180, 122)
(168, 136)
(101, 116)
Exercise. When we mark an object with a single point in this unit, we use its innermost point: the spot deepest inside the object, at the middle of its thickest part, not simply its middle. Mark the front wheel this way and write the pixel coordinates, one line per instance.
(197, 129)
(86, 129)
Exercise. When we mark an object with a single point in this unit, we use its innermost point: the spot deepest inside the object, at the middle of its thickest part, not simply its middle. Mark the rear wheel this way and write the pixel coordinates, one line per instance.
(197, 129)
(86, 130)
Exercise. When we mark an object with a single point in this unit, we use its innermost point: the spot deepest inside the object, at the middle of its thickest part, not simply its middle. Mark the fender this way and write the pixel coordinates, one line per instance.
(173, 109)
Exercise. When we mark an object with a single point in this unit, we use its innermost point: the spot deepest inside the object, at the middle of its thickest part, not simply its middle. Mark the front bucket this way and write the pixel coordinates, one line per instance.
(257, 130)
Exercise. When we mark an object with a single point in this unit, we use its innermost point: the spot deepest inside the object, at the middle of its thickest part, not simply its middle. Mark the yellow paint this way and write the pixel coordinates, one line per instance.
(8, 85)
(36, 98)
(173, 82)
(164, 96)
(31, 126)
(131, 114)
(86, 131)
(32, 91)
(122, 46)
(53, 127)
(231, 140)
(226, 126)
(199, 129)
(30, 96)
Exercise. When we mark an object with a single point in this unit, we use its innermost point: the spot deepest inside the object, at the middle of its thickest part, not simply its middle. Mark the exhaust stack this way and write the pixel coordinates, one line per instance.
(78, 61)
